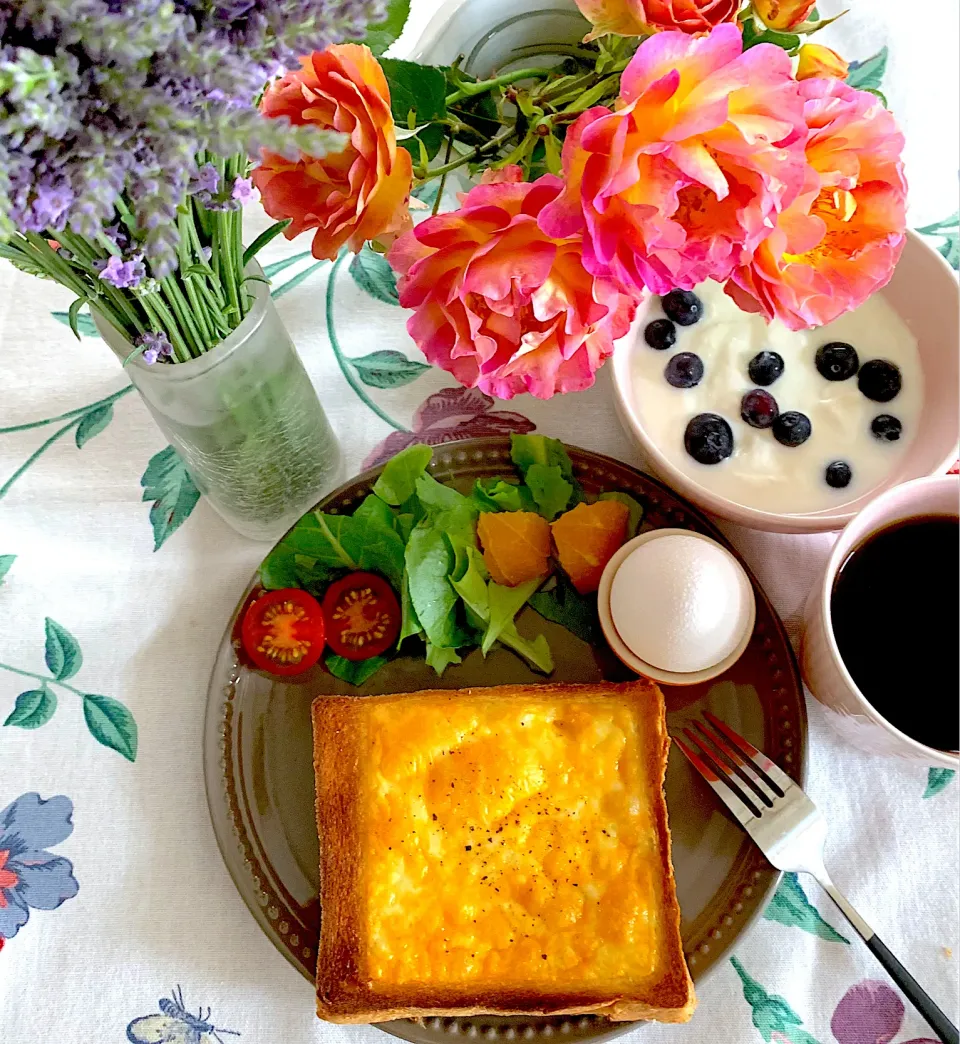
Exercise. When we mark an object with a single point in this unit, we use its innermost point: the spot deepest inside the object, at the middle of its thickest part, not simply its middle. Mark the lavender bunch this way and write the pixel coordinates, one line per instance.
(102, 97)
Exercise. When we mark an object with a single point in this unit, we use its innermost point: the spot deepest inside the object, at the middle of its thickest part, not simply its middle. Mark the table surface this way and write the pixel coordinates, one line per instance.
(127, 896)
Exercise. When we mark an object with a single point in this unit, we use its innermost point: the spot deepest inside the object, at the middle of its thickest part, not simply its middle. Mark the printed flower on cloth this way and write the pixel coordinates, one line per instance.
(30, 876)
(870, 1013)
(449, 415)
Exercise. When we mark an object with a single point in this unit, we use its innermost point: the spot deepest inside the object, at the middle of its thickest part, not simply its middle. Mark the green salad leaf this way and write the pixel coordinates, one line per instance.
(429, 562)
(375, 510)
(354, 672)
(566, 606)
(550, 489)
(501, 495)
(505, 603)
(447, 510)
(441, 659)
(397, 482)
(409, 624)
(538, 449)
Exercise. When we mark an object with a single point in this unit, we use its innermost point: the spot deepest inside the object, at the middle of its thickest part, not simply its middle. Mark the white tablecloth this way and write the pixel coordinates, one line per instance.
(153, 906)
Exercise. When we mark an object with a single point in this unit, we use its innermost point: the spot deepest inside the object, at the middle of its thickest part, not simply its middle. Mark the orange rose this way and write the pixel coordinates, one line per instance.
(817, 60)
(783, 14)
(640, 17)
(351, 196)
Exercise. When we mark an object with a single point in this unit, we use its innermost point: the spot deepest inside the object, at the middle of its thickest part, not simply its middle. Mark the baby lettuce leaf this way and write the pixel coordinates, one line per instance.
(441, 659)
(397, 482)
(505, 603)
(409, 624)
(538, 449)
(633, 506)
(430, 560)
(447, 510)
(473, 588)
(278, 569)
(341, 542)
(567, 607)
(500, 495)
(550, 489)
(354, 672)
(375, 510)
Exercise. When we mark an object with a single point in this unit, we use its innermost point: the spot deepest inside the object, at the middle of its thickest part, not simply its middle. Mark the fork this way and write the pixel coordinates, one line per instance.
(790, 831)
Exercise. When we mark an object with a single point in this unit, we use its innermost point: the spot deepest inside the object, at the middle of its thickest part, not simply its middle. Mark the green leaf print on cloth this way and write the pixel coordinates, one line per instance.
(938, 779)
(167, 483)
(6, 561)
(868, 74)
(372, 274)
(790, 906)
(387, 369)
(108, 720)
(773, 1017)
(947, 230)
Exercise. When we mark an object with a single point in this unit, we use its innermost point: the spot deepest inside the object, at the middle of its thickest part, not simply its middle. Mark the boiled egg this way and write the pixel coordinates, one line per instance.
(681, 602)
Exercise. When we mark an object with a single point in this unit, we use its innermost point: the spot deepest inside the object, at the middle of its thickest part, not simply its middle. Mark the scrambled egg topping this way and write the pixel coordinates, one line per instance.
(509, 841)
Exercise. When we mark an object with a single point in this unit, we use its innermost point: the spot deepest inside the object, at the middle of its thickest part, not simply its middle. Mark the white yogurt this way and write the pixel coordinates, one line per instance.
(762, 473)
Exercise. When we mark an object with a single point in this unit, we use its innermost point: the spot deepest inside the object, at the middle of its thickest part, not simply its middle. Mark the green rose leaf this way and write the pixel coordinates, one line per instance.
(84, 324)
(414, 87)
(6, 561)
(174, 495)
(354, 672)
(868, 74)
(382, 34)
(790, 906)
(111, 724)
(93, 423)
(372, 273)
(387, 369)
(33, 708)
(937, 780)
(62, 651)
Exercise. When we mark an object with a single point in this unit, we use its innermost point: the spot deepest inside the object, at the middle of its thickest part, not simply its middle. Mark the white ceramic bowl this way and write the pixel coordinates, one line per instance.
(925, 293)
(848, 710)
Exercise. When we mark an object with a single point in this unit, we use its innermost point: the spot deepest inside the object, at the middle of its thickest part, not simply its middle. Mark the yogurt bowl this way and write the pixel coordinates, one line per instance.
(765, 483)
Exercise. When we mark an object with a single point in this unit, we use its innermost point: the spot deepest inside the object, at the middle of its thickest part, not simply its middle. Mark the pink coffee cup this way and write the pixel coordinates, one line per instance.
(848, 710)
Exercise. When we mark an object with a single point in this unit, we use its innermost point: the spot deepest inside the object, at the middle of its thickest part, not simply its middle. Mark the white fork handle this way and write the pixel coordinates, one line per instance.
(915, 993)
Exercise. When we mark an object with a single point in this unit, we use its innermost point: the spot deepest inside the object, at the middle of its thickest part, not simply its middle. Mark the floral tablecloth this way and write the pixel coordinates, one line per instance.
(118, 920)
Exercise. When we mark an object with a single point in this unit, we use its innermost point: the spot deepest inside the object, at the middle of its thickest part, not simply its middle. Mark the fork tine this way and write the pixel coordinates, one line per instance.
(744, 767)
(727, 793)
(760, 760)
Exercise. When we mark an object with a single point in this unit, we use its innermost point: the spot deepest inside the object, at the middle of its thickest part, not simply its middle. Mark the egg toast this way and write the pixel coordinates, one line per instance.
(498, 851)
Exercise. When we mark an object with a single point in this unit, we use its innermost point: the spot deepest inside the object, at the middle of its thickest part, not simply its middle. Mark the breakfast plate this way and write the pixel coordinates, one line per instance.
(258, 751)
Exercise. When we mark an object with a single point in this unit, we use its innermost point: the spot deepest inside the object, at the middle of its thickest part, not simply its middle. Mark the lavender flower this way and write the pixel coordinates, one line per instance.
(104, 97)
(243, 191)
(155, 346)
(125, 275)
(206, 179)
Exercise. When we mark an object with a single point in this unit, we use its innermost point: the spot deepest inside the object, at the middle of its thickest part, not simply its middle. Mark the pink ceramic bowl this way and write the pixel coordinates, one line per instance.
(823, 669)
(925, 293)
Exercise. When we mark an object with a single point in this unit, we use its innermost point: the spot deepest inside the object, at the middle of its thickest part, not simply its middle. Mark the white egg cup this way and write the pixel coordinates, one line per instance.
(634, 662)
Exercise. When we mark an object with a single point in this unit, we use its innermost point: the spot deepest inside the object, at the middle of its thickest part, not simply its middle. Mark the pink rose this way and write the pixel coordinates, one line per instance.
(640, 17)
(839, 240)
(499, 304)
(687, 176)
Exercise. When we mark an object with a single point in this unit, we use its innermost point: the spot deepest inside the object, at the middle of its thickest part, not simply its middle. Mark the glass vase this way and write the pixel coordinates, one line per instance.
(245, 419)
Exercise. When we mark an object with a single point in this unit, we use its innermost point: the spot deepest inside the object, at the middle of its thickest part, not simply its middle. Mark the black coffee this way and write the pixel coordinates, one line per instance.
(896, 618)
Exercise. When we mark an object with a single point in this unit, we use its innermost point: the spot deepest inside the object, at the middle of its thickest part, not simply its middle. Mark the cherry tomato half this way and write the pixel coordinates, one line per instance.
(282, 631)
(362, 616)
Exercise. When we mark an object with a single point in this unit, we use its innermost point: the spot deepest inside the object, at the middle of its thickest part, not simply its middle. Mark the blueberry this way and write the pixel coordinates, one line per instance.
(682, 306)
(660, 334)
(837, 361)
(880, 380)
(685, 370)
(838, 474)
(886, 427)
(792, 428)
(708, 438)
(759, 408)
(764, 368)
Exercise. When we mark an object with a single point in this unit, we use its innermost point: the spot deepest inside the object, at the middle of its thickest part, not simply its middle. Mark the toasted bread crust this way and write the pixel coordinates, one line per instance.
(344, 992)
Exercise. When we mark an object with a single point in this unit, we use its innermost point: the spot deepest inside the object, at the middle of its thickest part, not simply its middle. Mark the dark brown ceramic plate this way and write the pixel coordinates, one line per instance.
(258, 755)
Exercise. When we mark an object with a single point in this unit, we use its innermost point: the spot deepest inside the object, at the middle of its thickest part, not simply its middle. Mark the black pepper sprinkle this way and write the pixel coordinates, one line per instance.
(434, 817)
(467, 848)
(543, 956)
